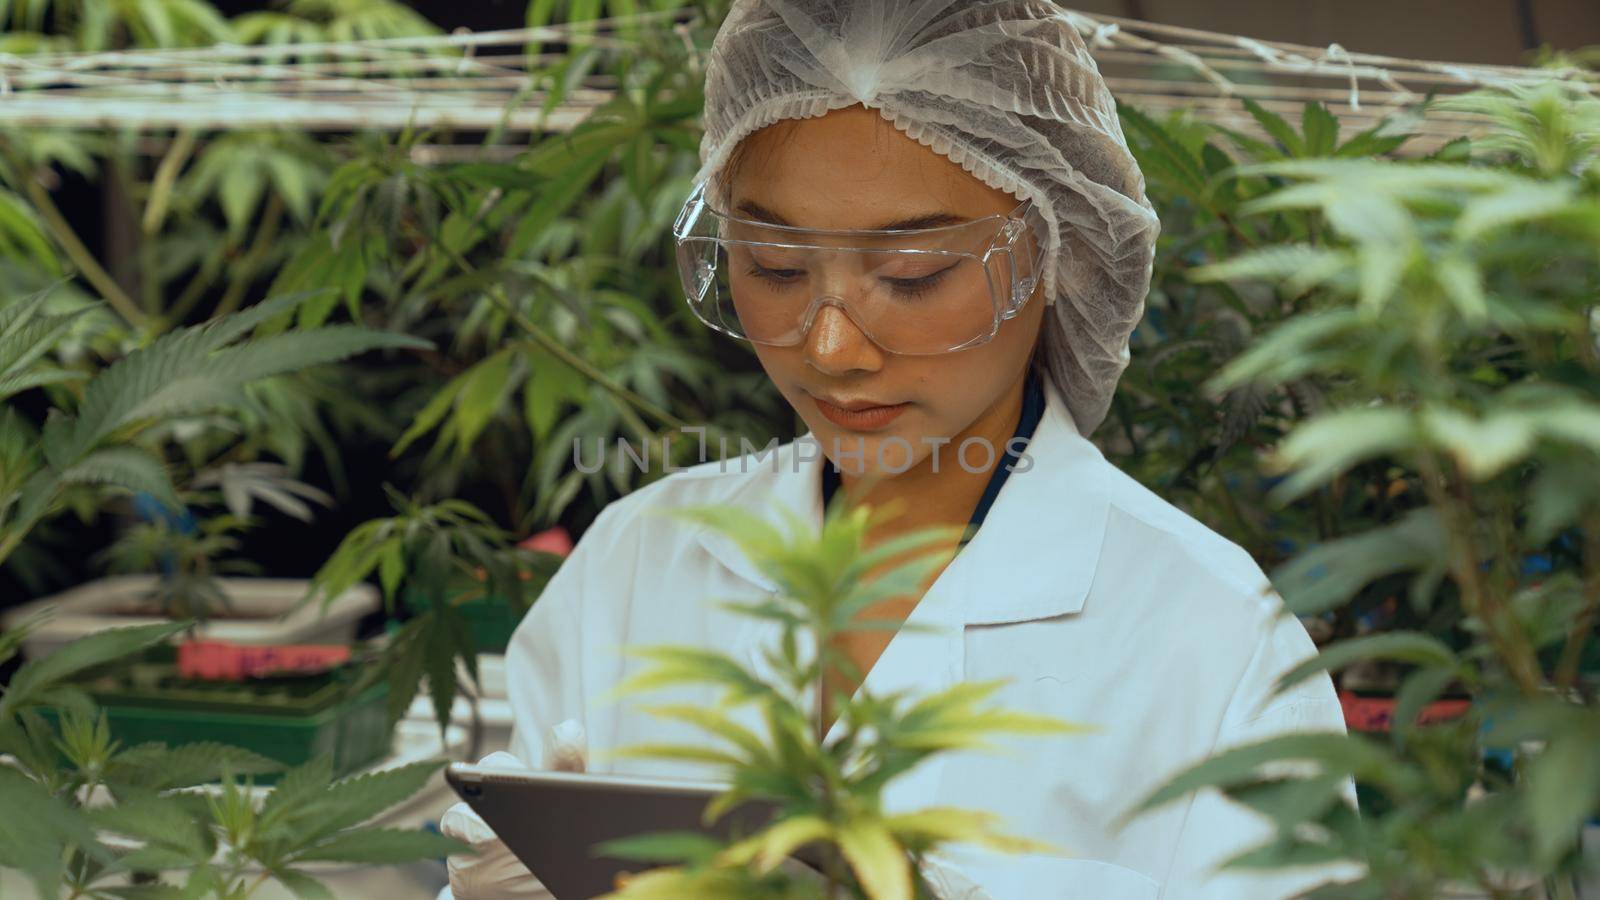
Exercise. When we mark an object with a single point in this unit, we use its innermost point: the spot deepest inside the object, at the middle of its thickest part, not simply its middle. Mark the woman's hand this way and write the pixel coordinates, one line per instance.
(495, 872)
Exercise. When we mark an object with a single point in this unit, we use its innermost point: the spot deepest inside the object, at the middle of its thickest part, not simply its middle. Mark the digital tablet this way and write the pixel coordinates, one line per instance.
(552, 821)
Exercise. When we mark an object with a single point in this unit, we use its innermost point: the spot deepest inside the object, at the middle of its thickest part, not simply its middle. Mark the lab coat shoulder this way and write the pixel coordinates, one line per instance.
(1145, 516)
(1226, 639)
(1217, 604)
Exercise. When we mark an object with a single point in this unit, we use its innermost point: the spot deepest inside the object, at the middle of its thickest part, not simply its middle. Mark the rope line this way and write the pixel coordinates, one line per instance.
(489, 79)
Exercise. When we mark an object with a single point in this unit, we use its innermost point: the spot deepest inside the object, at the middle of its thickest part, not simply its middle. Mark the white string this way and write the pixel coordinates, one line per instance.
(1336, 52)
(461, 78)
(1196, 63)
(467, 57)
(1103, 33)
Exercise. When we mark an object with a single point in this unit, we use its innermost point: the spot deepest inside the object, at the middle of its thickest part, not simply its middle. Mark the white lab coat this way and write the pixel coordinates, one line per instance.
(1102, 604)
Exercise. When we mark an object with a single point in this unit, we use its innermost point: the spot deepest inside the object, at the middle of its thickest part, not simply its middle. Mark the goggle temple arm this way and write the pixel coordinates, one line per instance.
(1021, 269)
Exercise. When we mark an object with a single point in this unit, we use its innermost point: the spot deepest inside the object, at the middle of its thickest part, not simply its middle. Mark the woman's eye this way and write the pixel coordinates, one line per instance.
(916, 286)
(777, 276)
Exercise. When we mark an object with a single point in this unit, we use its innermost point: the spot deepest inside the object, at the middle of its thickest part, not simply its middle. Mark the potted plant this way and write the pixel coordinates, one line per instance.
(468, 585)
(98, 443)
(88, 815)
(168, 565)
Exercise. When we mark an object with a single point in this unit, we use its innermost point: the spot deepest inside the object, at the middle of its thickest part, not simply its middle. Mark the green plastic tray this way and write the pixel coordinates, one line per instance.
(489, 619)
(303, 717)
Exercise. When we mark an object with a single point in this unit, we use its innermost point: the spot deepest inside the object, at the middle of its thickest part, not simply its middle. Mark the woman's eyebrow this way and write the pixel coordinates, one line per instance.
(760, 213)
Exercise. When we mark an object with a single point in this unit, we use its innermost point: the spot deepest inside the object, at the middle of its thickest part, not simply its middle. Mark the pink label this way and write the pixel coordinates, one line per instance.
(222, 661)
(1377, 713)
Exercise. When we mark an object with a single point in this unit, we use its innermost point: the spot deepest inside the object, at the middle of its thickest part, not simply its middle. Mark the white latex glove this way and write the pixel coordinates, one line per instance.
(495, 872)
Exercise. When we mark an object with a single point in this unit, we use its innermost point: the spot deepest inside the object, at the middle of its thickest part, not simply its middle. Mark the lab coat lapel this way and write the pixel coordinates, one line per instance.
(1035, 555)
(790, 477)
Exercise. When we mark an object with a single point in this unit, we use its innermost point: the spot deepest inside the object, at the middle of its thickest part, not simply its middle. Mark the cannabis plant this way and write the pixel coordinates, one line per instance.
(188, 549)
(1201, 452)
(185, 561)
(546, 277)
(97, 443)
(1450, 308)
(86, 817)
(451, 553)
(828, 788)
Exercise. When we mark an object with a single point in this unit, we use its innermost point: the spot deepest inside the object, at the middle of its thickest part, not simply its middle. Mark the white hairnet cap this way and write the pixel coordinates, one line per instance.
(1004, 88)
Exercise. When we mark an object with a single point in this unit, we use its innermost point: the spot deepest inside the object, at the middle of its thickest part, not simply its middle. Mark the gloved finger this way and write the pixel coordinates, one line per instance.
(493, 871)
(461, 823)
(493, 874)
(569, 747)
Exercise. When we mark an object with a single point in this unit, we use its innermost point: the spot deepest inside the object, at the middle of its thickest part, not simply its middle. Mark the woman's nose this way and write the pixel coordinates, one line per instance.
(835, 345)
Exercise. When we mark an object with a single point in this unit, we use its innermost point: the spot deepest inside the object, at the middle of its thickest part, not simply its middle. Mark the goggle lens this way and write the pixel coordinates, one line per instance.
(923, 299)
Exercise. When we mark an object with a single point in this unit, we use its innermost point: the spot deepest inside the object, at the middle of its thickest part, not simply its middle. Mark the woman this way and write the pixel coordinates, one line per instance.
(924, 218)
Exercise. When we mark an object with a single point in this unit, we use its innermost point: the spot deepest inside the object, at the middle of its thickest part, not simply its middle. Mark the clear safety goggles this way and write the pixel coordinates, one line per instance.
(916, 292)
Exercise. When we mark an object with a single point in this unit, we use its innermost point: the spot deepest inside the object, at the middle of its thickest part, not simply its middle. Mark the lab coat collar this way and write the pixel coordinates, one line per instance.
(1034, 556)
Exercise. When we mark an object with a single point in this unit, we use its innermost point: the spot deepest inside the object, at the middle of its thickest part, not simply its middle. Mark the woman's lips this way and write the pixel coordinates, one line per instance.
(868, 418)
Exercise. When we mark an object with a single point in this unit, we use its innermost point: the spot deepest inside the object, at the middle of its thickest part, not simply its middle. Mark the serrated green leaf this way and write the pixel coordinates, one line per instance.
(661, 847)
(298, 789)
(35, 843)
(1334, 571)
(86, 652)
(381, 846)
(354, 800)
(1321, 130)
(1278, 129)
(159, 767)
(391, 568)
(1563, 785)
(483, 388)
(129, 468)
(303, 886)
(1334, 753)
(1399, 646)
(1484, 447)
(879, 862)
(431, 415)
(1331, 443)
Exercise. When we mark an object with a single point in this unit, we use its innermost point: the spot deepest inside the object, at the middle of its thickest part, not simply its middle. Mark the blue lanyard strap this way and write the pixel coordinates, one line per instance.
(1033, 402)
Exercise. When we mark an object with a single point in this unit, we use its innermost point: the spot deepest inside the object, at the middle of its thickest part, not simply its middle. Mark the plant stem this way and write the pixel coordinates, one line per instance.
(1478, 603)
(640, 429)
(1524, 659)
(155, 209)
(62, 231)
(192, 292)
(1233, 227)
(260, 879)
(245, 274)
(9, 543)
(573, 360)
(1583, 626)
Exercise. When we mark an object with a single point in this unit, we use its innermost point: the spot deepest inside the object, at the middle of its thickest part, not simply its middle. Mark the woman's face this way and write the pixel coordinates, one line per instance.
(852, 169)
